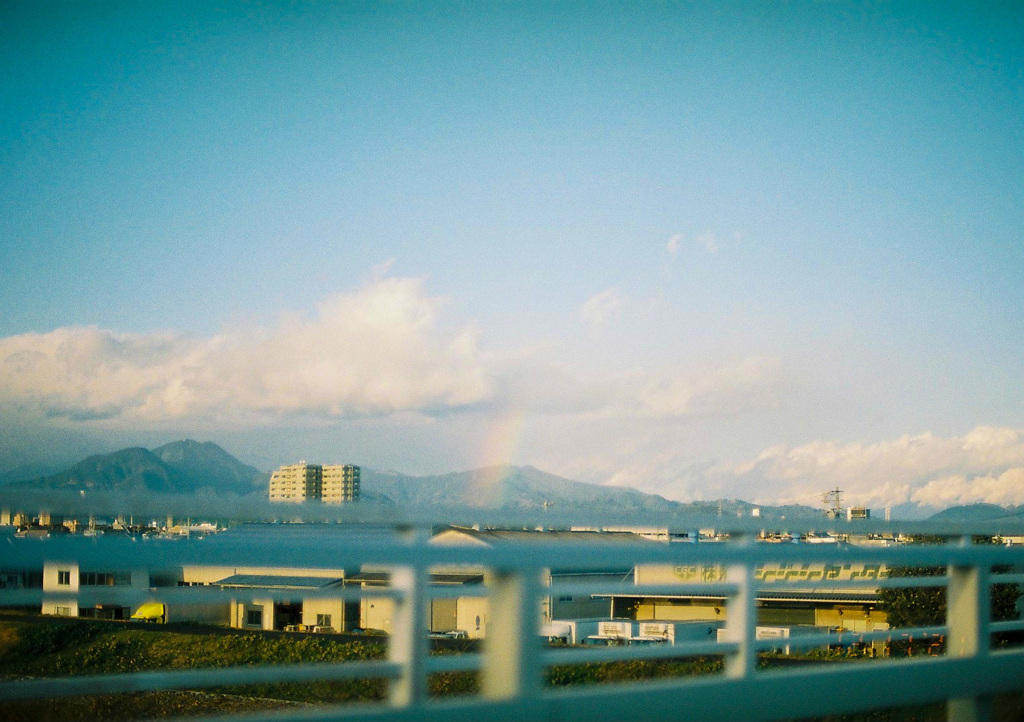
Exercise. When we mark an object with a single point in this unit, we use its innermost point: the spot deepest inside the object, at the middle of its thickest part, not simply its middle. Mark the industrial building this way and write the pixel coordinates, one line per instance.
(810, 594)
(71, 590)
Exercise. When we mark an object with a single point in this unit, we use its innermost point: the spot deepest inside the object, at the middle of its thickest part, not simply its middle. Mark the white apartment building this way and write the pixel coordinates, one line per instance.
(331, 483)
(340, 483)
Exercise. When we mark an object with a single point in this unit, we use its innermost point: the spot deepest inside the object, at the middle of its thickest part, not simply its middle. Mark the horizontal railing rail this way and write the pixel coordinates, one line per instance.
(197, 679)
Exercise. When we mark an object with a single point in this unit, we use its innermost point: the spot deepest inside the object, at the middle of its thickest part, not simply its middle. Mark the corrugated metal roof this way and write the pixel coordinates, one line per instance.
(787, 596)
(271, 581)
(441, 578)
(824, 596)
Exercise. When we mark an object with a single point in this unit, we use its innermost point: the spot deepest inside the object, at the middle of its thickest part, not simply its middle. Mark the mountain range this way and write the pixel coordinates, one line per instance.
(191, 467)
(181, 467)
(526, 488)
(978, 512)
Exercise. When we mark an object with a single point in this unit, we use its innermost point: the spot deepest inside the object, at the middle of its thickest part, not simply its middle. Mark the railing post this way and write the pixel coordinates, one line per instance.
(741, 620)
(511, 649)
(408, 643)
(968, 604)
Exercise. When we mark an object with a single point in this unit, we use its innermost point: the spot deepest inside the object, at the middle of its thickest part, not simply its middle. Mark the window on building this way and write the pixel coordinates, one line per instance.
(63, 611)
(323, 620)
(105, 579)
(64, 577)
(254, 617)
(565, 599)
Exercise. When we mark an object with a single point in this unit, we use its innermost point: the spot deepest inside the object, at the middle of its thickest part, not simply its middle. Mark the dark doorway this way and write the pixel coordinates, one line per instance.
(103, 612)
(287, 614)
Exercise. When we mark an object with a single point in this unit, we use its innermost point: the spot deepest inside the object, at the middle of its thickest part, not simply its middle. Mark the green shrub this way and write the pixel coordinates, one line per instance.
(41, 639)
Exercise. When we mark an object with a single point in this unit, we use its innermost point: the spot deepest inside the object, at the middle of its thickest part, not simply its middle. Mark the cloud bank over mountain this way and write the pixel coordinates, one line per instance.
(984, 465)
(385, 353)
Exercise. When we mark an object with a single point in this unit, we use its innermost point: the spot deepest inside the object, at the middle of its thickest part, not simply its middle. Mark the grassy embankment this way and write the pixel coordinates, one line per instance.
(35, 647)
(32, 646)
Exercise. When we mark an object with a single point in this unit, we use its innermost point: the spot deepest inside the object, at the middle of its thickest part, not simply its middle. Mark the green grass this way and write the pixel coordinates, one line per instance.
(86, 647)
(561, 675)
(47, 647)
(33, 646)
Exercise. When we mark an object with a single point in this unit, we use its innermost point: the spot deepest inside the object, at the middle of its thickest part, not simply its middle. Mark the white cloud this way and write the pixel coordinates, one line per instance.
(721, 391)
(672, 247)
(600, 307)
(984, 465)
(708, 241)
(724, 390)
(376, 350)
(1005, 489)
(379, 271)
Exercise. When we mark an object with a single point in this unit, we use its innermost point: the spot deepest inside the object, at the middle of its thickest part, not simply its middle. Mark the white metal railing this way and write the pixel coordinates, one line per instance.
(513, 658)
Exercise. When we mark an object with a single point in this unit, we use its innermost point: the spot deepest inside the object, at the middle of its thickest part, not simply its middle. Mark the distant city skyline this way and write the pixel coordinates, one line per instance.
(709, 250)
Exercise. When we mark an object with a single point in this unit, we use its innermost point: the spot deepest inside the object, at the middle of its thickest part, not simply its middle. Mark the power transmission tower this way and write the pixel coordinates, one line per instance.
(833, 503)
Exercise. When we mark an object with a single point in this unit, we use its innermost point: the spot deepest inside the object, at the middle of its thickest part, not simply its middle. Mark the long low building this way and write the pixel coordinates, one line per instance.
(300, 598)
(338, 600)
(813, 595)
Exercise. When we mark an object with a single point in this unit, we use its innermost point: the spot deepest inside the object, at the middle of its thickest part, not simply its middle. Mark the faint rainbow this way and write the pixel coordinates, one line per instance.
(498, 448)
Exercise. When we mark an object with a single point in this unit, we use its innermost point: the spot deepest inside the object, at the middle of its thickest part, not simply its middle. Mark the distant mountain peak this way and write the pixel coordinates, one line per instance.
(191, 447)
(972, 512)
(180, 467)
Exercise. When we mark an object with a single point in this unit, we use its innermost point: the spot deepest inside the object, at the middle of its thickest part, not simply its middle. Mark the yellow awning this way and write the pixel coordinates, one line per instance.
(152, 612)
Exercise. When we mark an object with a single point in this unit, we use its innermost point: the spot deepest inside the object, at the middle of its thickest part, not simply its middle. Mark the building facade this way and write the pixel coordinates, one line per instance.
(824, 603)
(331, 484)
(340, 483)
(71, 591)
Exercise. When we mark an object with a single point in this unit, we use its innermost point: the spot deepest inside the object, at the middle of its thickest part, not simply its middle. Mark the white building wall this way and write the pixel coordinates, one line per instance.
(471, 614)
(377, 613)
(335, 608)
(240, 612)
(54, 601)
(62, 599)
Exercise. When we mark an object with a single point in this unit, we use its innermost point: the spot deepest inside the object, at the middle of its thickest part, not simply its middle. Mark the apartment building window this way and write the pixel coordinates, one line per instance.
(254, 617)
(64, 578)
(104, 579)
(323, 620)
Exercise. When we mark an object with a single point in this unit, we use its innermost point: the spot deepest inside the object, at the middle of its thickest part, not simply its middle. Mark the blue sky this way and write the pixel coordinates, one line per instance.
(683, 247)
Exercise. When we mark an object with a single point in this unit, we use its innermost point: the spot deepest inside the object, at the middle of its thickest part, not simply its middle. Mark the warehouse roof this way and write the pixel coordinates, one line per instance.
(273, 581)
